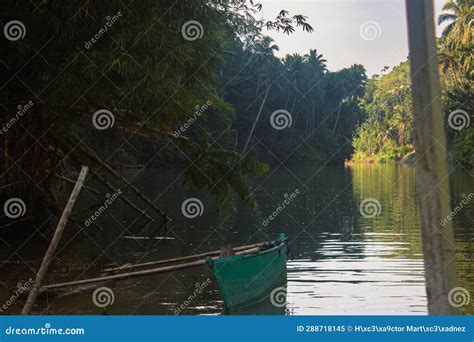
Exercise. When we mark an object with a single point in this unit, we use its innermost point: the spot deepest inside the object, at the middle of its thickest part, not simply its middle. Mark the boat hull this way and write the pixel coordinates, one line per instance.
(247, 279)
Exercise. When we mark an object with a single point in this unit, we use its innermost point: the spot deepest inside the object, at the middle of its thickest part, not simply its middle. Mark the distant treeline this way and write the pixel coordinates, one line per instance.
(387, 133)
(291, 109)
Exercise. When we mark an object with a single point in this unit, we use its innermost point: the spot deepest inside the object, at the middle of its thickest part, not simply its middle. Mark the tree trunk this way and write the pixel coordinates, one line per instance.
(256, 119)
(337, 120)
(431, 166)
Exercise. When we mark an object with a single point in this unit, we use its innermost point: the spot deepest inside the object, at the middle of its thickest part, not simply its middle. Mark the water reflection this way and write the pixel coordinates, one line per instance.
(358, 277)
(343, 263)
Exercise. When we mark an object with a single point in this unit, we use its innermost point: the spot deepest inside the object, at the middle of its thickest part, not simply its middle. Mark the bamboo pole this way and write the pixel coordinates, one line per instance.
(128, 267)
(54, 242)
(431, 165)
(138, 274)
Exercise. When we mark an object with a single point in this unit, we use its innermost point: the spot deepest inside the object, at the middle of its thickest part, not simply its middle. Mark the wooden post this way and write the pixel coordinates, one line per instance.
(226, 251)
(431, 163)
(54, 243)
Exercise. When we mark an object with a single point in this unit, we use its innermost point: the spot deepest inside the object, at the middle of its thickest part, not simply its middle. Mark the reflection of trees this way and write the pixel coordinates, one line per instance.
(394, 187)
(462, 183)
(324, 206)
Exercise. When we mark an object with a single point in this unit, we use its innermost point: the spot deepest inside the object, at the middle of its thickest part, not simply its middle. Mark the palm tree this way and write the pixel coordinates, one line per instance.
(265, 60)
(349, 87)
(460, 16)
(267, 66)
(456, 44)
(265, 46)
(451, 60)
(316, 61)
(296, 76)
(317, 66)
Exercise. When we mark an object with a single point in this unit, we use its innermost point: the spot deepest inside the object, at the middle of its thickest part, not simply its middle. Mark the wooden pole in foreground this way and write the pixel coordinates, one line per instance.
(54, 243)
(432, 181)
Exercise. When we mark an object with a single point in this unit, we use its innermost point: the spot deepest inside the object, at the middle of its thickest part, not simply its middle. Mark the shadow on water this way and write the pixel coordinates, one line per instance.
(343, 262)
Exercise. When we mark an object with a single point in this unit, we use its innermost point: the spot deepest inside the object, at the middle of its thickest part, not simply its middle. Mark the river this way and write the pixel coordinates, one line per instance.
(343, 261)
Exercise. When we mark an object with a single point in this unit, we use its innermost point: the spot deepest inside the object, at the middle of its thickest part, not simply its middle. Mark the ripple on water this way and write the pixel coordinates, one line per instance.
(373, 280)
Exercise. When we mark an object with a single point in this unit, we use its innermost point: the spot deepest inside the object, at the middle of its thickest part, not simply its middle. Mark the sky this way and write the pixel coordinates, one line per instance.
(368, 32)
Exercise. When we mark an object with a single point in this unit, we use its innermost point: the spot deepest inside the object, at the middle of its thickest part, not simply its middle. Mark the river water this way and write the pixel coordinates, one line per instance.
(344, 261)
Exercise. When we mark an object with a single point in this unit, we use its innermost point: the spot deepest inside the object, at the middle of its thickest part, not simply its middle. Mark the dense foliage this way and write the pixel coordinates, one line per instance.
(189, 83)
(320, 107)
(387, 133)
(179, 82)
(140, 64)
(196, 85)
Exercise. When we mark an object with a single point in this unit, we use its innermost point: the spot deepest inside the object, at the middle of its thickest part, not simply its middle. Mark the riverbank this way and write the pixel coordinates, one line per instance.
(407, 159)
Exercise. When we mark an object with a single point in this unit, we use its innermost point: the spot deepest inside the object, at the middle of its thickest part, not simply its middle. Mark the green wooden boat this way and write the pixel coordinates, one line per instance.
(250, 278)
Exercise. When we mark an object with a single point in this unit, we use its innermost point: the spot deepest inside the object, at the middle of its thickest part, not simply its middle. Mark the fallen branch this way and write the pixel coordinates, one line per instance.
(102, 180)
(122, 196)
(93, 156)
